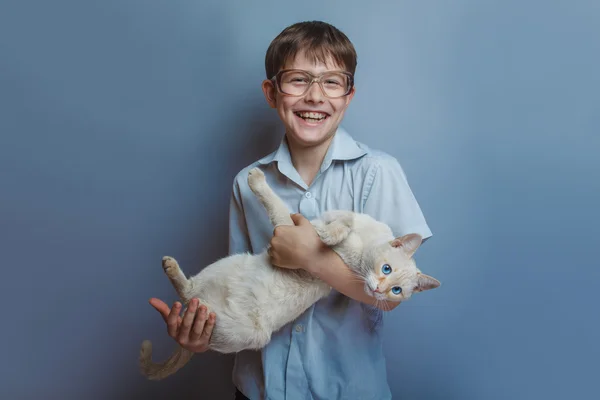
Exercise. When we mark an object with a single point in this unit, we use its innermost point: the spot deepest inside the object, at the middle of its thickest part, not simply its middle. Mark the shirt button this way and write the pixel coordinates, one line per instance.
(298, 328)
(308, 195)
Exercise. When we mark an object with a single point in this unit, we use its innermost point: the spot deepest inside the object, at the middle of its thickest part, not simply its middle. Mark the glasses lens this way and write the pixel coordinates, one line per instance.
(335, 84)
(296, 83)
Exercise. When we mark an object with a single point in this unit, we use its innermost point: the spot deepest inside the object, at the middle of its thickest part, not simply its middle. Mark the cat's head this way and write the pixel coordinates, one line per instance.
(392, 274)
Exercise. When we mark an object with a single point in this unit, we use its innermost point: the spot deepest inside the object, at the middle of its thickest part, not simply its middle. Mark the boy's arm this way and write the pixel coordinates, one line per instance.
(330, 268)
(299, 246)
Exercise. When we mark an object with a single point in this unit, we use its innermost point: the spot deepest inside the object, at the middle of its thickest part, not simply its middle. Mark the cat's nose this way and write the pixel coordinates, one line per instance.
(377, 290)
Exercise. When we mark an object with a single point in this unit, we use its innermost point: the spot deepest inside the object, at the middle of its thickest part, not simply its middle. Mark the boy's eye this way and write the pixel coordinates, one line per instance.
(396, 290)
(386, 269)
(298, 81)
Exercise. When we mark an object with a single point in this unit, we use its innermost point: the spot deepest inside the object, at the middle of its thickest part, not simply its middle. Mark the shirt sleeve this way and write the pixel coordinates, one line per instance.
(239, 241)
(388, 198)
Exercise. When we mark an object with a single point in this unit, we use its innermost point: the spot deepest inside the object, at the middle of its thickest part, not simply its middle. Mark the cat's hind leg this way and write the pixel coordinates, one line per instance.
(182, 285)
(278, 212)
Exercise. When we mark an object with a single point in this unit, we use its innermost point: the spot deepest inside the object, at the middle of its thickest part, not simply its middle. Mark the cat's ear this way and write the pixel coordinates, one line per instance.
(426, 282)
(409, 243)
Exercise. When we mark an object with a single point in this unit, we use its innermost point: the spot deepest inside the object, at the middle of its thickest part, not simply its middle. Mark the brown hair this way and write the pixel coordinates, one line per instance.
(318, 39)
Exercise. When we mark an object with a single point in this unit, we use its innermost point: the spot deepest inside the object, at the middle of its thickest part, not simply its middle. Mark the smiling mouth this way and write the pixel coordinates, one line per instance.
(313, 117)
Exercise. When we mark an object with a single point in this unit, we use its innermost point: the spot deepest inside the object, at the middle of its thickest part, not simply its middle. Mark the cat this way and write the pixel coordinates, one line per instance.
(252, 298)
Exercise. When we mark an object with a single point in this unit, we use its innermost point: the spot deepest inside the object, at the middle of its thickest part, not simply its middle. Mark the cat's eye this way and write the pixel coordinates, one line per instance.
(396, 290)
(386, 269)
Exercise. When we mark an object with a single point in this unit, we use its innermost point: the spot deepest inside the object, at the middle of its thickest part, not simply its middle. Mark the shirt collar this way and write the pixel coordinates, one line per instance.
(343, 147)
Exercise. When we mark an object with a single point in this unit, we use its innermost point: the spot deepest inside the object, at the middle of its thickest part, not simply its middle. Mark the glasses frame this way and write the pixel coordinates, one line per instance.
(313, 78)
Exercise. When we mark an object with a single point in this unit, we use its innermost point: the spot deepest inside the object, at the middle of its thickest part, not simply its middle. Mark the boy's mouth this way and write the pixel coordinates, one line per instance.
(312, 116)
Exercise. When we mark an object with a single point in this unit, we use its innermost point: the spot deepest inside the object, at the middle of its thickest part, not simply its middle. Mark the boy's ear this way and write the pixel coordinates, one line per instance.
(351, 95)
(269, 91)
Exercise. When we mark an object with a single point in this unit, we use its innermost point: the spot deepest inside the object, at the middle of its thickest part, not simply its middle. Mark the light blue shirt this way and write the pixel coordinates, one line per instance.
(333, 350)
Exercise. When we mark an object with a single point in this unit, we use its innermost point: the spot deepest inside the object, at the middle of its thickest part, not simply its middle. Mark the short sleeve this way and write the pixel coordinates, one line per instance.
(239, 241)
(388, 198)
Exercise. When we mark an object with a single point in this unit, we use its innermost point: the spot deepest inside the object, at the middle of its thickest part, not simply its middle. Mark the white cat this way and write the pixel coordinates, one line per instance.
(252, 298)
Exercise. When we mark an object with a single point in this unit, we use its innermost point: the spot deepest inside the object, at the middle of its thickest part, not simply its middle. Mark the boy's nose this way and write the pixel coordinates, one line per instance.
(314, 93)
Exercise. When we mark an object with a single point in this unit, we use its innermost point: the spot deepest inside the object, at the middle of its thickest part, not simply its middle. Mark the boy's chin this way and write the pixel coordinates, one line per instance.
(310, 137)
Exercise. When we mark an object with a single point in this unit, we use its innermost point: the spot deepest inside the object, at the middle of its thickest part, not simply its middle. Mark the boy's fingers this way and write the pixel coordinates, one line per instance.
(208, 327)
(298, 219)
(173, 320)
(188, 320)
(161, 307)
(198, 327)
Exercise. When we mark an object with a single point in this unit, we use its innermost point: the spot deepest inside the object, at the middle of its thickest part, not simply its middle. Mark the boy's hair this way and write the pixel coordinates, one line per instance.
(318, 39)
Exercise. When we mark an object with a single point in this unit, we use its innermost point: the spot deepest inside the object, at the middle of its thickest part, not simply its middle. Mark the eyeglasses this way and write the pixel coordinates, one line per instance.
(296, 82)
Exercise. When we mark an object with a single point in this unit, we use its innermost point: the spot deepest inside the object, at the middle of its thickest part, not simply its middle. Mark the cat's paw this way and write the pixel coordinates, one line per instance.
(256, 178)
(342, 217)
(169, 264)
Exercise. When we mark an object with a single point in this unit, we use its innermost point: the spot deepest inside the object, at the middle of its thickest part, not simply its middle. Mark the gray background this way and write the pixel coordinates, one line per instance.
(122, 126)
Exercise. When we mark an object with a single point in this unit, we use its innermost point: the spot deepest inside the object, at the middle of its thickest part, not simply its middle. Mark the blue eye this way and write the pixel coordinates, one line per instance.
(386, 269)
(396, 290)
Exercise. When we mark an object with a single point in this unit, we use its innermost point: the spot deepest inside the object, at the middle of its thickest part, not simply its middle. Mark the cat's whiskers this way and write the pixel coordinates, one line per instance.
(386, 306)
(375, 302)
(382, 304)
(357, 280)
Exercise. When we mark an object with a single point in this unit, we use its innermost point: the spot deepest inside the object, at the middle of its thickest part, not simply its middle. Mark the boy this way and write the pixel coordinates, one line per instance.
(333, 350)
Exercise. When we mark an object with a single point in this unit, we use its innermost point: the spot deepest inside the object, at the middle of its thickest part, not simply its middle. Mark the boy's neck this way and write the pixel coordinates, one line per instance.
(308, 160)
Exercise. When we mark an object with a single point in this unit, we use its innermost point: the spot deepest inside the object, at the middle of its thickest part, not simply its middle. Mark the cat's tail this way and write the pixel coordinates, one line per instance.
(158, 371)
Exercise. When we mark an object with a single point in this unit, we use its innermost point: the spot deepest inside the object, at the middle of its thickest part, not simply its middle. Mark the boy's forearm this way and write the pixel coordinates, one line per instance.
(331, 269)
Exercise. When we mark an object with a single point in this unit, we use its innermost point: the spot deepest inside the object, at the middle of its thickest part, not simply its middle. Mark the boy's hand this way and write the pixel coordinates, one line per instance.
(296, 246)
(193, 331)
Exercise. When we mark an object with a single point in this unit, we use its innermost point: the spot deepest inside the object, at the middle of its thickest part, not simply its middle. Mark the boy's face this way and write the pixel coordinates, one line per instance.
(301, 129)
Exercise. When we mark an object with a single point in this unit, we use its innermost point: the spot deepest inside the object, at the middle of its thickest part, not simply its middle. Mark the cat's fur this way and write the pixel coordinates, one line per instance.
(252, 299)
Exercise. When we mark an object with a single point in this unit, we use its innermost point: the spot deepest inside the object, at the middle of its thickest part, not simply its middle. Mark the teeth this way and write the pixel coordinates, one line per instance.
(312, 115)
